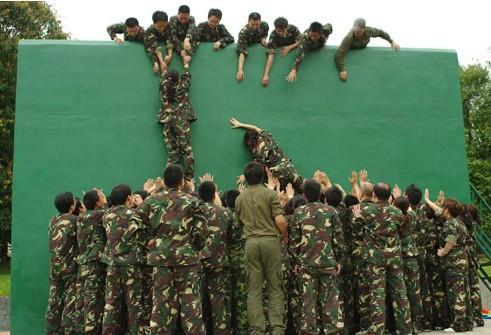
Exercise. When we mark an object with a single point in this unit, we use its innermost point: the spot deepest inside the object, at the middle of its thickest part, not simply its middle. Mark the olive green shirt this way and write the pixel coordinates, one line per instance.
(257, 208)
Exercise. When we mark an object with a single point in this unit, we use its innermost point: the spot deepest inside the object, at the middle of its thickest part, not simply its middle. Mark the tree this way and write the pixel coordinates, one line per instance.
(18, 20)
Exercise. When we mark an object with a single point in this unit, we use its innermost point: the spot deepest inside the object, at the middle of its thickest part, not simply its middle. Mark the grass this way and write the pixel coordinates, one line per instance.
(4, 279)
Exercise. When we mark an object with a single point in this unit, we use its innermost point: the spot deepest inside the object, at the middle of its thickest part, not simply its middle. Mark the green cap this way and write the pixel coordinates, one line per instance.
(359, 24)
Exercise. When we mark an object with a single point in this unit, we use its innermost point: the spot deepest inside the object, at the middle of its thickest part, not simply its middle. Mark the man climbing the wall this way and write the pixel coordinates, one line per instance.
(130, 29)
(358, 38)
(213, 31)
(159, 32)
(183, 28)
(254, 32)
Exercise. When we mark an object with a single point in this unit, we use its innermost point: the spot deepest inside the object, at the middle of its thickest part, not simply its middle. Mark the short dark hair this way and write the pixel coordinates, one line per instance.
(334, 196)
(281, 22)
(173, 175)
(414, 194)
(90, 199)
(311, 190)
(63, 202)
(297, 201)
(215, 12)
(254, 16)
(474, 213)
(206, 191)
(119, 194)
(251, 138)
(254, 173)
(184, 9)
(402, 203)
(142, 193)
(382, 191)
(230, 197)
(315, 27)
(159, 16)
(454, 207)
(350, 200)
(131, 22)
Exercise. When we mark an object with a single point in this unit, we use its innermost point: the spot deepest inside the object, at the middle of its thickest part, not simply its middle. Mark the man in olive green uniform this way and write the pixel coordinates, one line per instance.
(183, 28)
(159, 32)
(213, 31)
(130, 29)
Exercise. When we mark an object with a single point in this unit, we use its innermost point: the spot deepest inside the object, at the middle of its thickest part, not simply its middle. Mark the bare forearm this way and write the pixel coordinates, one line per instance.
(240, 66)
(269, 64)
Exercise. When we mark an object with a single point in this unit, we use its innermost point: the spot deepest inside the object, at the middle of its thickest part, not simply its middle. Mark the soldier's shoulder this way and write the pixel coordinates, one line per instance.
(264, 25)
(203, 24)
(244, 30)
(292, 28)
(173, 19)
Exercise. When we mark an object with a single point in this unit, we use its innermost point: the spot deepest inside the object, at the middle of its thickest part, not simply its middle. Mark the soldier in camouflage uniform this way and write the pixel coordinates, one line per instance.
(213, 31)
(61, 314)
(130, 29)
(312, 39)
(159, 32)
(183, 30)
(124, 259)
(215, 261)
(91, 238)
(172, 225)
(175, 115)
(284, 35)
(381, 224)
(358, 38)
(265, 150)
(315, 254)
(254, 32)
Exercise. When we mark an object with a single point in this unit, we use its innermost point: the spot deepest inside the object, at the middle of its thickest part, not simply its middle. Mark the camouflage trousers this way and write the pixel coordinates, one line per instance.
(439, 303)
(320, 311)
(92, 278)
(238, 296)
(286, 173)
(216, 301)
(123, 298)
(147, 286)
(177, 139)
(347, 295)
(457, 290)
(412, 280)
(388, 274)
(176, 294)
(475, 293)
(61, 315)
(426, 322)
(362, 295)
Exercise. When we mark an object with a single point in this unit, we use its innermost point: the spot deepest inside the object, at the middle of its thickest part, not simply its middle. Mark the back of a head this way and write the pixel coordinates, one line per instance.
(254, 173)
(429, 212)
(311, 190)
(215, 12)
(206, 191)
(315, 27)
(90, 199)
(184, 9)
(254, 16)
(473, 212)
(454, 207)
(402, 203)
(414, 194)
(382, 191)
(350, 200)
(63, 202)
(159, 16)
(333, 196)
(366, 190)
(120, 194)
(250, 138)
(230, 197)
(131, 22)
(281, 23)
(142, 193)
(173, 175)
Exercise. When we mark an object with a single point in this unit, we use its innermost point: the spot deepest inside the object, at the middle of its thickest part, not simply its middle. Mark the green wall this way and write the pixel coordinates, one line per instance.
(86, 116)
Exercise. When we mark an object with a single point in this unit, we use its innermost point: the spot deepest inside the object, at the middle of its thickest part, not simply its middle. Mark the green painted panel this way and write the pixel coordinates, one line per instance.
(86, 116)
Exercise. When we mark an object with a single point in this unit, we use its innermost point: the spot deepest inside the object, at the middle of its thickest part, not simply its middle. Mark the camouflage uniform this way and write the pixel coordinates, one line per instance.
(268, 154)
(172, 225)
(381, 224)
(307, 45)
(181, 31)
(124, 261)
(352, 42)
(204, 33)
(456, 267)
(91, 239)
(120, 28)
(153, 38)
(175, 118)
(314, 251)
(475, 291)
(276, 41)
(215, 262)
(61, 314)
(248, 37)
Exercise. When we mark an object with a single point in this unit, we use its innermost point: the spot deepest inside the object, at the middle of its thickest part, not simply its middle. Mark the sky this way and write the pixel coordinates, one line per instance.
(464, 26)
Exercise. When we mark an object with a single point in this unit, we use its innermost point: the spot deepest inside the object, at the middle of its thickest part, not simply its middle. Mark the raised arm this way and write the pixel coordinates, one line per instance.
(237, 124)
(118, 28)
(438, 210)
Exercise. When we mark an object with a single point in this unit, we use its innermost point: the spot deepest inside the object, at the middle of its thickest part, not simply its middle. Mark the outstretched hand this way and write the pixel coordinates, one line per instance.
(396, 192)
(395, 46)
(205, 177)
(292, 76)
(234, 123)
(363, 176)
(356, 209)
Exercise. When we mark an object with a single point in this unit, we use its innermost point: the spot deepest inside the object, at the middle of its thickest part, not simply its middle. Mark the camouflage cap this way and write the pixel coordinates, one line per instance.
(359, 24)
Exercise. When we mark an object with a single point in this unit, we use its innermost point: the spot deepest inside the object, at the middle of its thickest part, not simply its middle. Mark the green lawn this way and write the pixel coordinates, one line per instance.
(5, 279)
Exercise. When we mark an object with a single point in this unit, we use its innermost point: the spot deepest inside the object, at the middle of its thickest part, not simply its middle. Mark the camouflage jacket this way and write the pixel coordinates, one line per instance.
(248, 37)
(267, 151)
(173, 226)
(454, 231)
(215, 254)
(118, 251)
(180, 107)
(381, 224)
(62, 234)
(275, 41)
(91, 236)
(314, 241)
(432, 240)
(352, 42)
(181, 31)
(236, 243)
(408, 245)
(206, 34)
(154, 37)
(342, 226)
(120, 28)
(307, 45)
(358, 236)
(419, 230)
